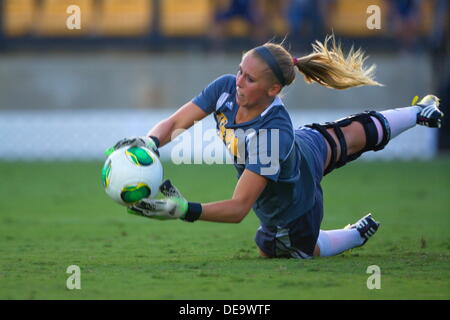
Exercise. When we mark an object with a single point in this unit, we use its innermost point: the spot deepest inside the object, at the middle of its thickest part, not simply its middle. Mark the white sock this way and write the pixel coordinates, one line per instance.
(399, 119)
(333, 242)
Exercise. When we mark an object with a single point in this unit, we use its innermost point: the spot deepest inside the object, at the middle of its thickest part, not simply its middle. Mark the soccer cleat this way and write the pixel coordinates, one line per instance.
(366, 227)
(430, 115)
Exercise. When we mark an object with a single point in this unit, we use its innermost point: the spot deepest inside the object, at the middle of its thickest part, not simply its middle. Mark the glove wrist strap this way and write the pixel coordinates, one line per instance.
(156, 140)
(193, 212)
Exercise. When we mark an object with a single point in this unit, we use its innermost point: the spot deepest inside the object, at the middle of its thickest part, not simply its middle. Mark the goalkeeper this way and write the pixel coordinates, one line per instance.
(285, 193)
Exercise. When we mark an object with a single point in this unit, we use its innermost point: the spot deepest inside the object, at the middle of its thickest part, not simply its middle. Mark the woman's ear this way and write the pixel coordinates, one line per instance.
(274, 89)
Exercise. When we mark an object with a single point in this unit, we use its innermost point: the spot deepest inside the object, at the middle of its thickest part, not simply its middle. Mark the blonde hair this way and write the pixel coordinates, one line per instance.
(327, 66)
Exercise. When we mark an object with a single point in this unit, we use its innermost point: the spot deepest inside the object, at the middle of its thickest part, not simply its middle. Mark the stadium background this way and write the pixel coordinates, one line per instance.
(67, 95)
(134, 61)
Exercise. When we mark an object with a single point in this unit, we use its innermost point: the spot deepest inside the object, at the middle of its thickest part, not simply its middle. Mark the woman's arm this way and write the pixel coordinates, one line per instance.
(183, 118)
(174, 206)
(247, 191)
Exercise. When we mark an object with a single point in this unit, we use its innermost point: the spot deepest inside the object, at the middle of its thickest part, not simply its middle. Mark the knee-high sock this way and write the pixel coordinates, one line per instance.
(400, 120)
(333, 242)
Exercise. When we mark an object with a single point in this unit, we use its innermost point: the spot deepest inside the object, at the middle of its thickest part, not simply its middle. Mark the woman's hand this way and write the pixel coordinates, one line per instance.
(148, 142)
(173, 206)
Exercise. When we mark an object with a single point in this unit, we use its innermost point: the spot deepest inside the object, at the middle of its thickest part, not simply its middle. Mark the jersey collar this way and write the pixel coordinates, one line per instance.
(275, 103)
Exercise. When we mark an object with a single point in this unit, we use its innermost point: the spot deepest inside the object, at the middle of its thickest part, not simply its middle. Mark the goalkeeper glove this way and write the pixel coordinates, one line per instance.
(149, 142)
(172, 207)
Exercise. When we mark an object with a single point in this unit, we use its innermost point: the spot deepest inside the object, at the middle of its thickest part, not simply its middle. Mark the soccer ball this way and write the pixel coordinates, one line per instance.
(131, 174)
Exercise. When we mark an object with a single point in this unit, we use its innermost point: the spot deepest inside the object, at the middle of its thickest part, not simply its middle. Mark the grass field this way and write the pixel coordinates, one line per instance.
(53, 215)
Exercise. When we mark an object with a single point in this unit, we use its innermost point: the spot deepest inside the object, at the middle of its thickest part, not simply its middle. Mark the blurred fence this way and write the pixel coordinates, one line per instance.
(85, 134)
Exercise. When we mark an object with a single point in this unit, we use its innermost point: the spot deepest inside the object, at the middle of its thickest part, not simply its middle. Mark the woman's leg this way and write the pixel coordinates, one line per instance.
(354, 136)
(373, 130)
(333, 242)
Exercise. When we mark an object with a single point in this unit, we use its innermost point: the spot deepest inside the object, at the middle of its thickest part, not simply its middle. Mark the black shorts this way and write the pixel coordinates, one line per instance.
(298, 238)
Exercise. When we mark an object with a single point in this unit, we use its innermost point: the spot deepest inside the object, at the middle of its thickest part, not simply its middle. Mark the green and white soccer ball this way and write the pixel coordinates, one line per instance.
(131, 174)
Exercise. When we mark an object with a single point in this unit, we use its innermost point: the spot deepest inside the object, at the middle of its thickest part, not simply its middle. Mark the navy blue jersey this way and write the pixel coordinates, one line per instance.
(267, 145)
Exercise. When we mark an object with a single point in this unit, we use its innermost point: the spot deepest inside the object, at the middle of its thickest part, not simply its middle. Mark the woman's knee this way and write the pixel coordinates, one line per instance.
(263, 254)
(355, 141)
(316, 252)
(355, 137)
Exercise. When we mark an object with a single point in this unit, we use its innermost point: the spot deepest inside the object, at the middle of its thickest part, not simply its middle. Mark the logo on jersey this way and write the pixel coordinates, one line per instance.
(227, 135)
(229, 105)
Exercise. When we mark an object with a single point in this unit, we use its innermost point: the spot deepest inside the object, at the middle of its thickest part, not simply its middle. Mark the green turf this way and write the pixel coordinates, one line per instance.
(53, 215)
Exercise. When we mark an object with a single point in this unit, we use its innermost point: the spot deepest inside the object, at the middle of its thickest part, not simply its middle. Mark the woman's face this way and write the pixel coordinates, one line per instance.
(252, 84)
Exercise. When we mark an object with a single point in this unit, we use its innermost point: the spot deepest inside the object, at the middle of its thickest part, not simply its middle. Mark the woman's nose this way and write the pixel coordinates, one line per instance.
(239, 81)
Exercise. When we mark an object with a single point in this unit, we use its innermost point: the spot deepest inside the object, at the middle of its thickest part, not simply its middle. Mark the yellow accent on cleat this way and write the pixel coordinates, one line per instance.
(428, 99)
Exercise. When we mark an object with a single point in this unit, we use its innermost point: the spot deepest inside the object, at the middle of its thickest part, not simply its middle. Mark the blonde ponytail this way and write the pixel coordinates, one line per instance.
(332, 69)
